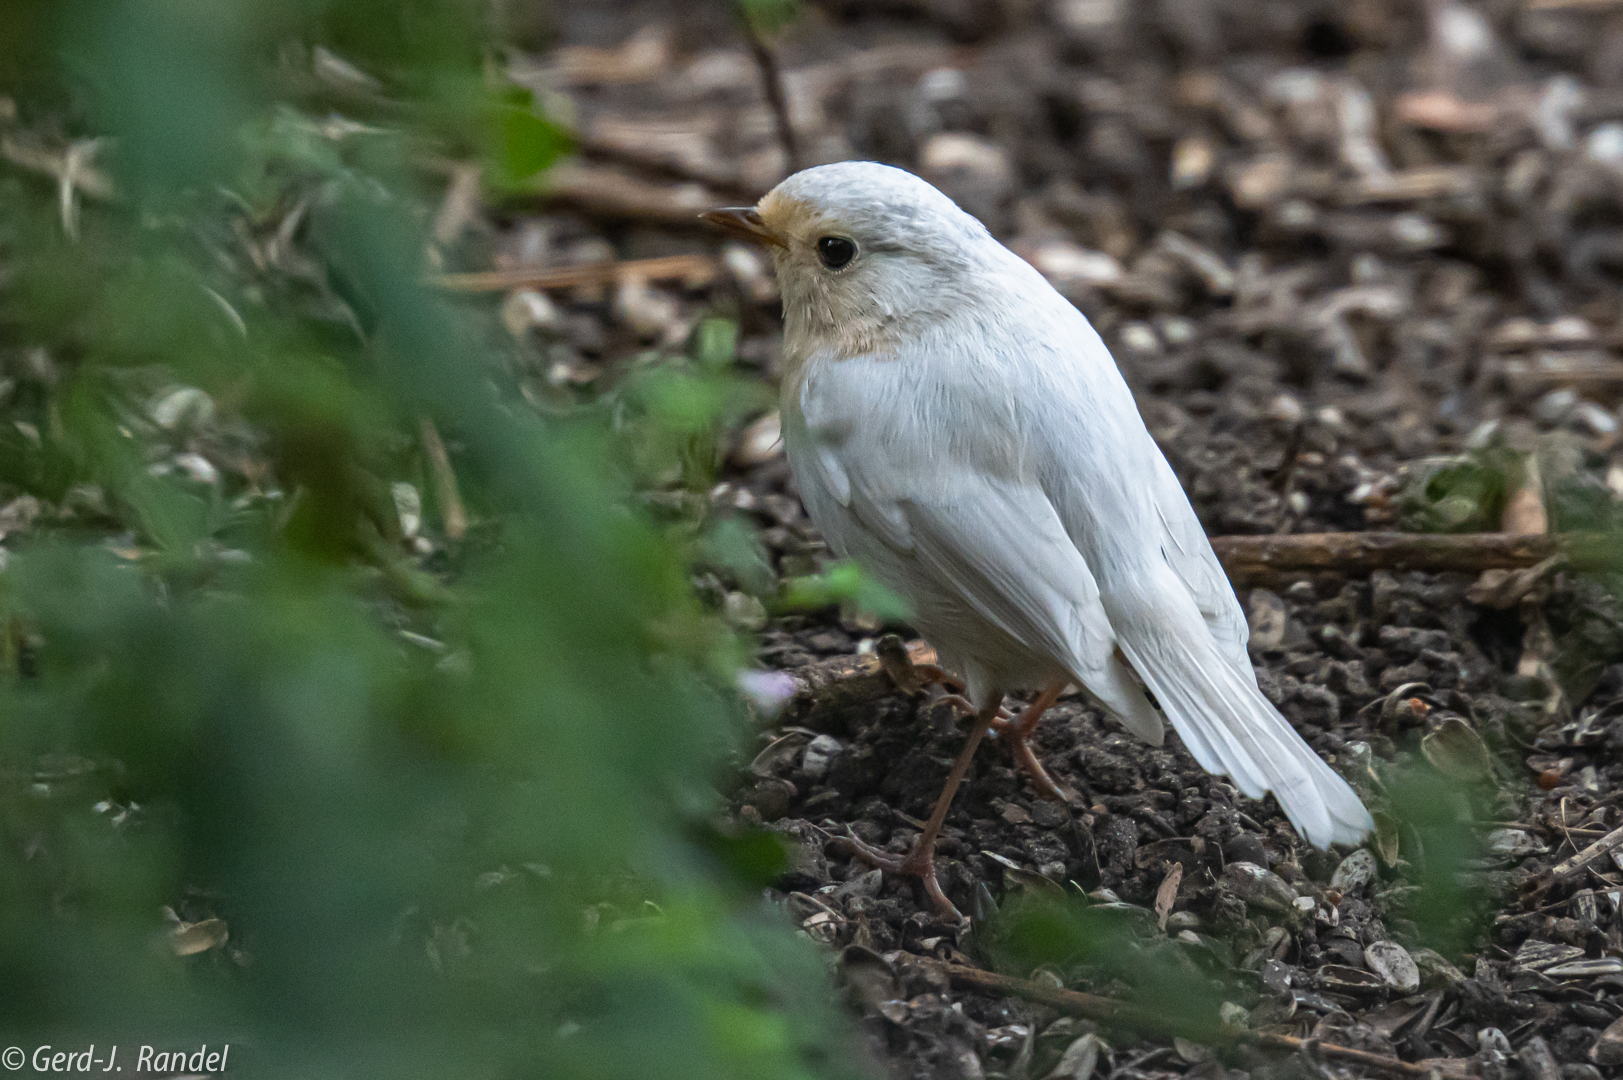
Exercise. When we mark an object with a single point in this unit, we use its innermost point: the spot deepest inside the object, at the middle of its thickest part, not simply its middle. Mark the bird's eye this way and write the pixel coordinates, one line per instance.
(836, 251)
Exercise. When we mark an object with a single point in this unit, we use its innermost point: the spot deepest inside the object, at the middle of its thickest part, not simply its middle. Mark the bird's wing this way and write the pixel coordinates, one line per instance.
(1191, 557)
(1169, 603)
(1002, 550)
(870, 471)
(957, 534)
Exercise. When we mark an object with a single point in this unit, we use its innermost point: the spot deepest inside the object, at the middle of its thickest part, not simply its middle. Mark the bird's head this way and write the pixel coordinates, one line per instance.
(866, 255)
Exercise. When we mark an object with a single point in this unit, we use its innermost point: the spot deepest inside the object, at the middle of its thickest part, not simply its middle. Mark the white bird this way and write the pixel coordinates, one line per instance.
(960, 430)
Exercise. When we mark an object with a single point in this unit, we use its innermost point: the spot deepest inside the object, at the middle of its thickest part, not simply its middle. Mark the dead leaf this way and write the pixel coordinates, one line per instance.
(1167, 894)
(188, 939)
(1457, 752)
(1387, 845)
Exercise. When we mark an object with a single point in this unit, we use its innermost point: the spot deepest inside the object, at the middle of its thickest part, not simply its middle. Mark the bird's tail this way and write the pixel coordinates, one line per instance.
(1221, 714)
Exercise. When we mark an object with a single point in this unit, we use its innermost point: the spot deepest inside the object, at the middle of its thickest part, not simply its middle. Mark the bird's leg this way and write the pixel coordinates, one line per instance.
(1017, 734)
(920, 862)
(913, 678)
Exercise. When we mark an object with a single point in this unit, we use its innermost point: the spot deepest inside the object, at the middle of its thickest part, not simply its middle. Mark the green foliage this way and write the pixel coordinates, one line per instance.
(1425, 801)
(770, 16)
(673, 411)
(844, 582)
(522, 142)
(449, 797)
(1459, 494)
(1439, 846)
(1105, 944)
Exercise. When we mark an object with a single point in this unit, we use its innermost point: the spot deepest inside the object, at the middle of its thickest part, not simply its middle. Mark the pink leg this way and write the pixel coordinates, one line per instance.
(1017, 733)
(920, 862)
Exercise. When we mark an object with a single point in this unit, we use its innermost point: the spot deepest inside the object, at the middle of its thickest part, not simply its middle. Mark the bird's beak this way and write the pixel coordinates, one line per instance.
(743, 222)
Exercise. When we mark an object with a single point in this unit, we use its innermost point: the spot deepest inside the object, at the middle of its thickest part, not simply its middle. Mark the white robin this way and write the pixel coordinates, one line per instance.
(960, 430)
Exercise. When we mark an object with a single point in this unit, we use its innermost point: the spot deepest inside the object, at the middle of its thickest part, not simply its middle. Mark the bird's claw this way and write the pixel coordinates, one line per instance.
(917, 863)
(1018, 739)
(1016, 733)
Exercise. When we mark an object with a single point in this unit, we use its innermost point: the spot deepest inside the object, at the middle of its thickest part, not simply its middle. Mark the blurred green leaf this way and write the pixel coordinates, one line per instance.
(731, 544)
(524, 144)
(715, 345)
(450, 794)
(1463, 493)
(770, 16)
(844, 582)
(1102, 943)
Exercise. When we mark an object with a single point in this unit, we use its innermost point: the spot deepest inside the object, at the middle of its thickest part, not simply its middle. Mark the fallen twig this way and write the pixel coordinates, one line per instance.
(1567, 867)
(847, 681)
(1089, 1006)
(1572, 5)
(454, 517)
(1110, 1011)
(1510, 917)
(1250, 557)
(609, 193)
(35, 157)
(772, 85)
(1572, 864)
(693, 270)
(731, 186)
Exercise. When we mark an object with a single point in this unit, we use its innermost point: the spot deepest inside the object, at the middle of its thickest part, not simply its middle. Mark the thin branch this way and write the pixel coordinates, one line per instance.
(1124, 1014)
(1610, 842)
(1360, 553)
(1572, 5)
(772, 85)
(610, 194)
(692, 270)
(454, 517)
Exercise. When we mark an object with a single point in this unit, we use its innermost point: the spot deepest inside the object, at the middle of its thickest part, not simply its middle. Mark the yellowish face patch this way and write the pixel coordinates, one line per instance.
(790, 218)
(848, 324)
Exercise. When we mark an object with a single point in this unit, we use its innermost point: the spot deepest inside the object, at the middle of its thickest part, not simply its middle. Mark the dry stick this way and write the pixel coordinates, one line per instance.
(439, 463)
(1572, 5)
(27, 154)
(772, 85)
(1567, 867)
(1574, 863)
(694, 269)
(1123, 1014)
(726, 185)
(1509, 917)
(1363, 552)
(610, 194)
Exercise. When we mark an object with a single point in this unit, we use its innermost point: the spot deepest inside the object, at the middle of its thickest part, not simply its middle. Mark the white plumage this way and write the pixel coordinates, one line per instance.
(959, 428)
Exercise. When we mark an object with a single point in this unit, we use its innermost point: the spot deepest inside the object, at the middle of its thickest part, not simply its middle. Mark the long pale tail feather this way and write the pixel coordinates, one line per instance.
(1126, 703)
(1223, 718)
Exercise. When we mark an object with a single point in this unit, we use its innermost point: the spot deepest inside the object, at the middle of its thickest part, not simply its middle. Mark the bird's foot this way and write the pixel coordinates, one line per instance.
(911, 678)
(1018, 739)
(918, 863)
(963, 705)
(1016, 734)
